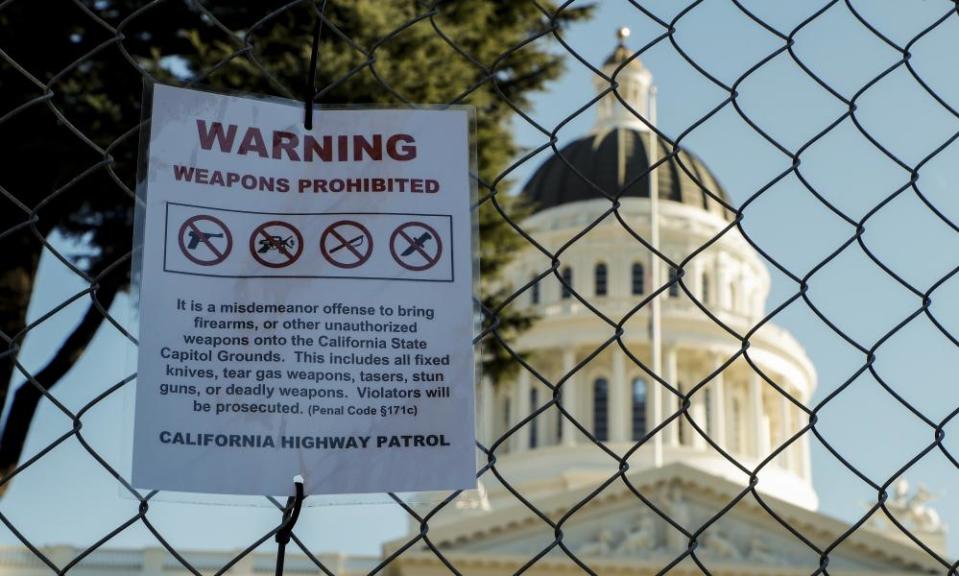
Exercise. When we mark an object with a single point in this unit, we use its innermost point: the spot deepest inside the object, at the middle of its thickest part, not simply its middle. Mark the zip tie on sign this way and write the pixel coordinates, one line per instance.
(290, 515)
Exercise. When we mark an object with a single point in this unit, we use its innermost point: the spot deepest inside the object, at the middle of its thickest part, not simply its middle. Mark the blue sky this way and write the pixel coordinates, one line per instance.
(67, 498)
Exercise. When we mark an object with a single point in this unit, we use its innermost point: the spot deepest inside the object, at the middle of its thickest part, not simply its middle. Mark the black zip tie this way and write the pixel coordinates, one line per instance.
(290, 515)
(310, 85)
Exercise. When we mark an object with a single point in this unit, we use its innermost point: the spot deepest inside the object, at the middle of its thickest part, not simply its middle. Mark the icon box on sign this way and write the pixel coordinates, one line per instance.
(339, 245)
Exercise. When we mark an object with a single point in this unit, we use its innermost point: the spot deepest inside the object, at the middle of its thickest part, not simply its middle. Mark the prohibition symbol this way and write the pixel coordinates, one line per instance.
(346, 244)
(276, 244)
(205, 240)
(416, 246)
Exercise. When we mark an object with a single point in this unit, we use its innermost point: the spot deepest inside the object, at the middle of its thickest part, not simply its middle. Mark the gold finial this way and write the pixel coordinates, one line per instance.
(622, 34)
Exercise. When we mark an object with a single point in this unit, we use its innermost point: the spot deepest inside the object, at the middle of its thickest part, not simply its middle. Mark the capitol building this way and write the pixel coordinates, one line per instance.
(738, 414)
(691, 336)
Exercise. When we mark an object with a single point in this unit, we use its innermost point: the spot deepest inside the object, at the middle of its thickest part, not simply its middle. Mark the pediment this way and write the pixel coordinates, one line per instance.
(618, 528)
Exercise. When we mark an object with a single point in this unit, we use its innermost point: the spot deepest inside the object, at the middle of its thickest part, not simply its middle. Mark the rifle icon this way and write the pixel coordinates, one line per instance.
(196, 238)
(275, 243)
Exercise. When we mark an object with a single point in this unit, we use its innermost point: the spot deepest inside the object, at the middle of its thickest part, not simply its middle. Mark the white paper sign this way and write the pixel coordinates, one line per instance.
(305, 299)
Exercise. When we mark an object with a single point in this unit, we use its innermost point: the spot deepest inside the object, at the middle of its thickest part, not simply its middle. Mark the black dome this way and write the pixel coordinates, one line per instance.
(609, 160)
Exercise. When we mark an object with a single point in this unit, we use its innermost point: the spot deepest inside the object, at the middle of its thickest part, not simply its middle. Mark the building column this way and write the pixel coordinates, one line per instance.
(153, 560)
(487, 411)
(697, 411)
(569, 398)
(805, 464)
(654, 407)
(542, 421)
(520, 439)
(671, 400)
(619, 399)
(717, 408)
(757, 418)
(785, 432)
(722, 288)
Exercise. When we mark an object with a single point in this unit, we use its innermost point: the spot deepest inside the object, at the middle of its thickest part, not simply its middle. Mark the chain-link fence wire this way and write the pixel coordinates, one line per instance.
(71, 112)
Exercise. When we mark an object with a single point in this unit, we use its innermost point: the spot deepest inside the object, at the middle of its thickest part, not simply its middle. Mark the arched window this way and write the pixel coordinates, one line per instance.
(533, 405)
(534, 290)
(601, 409)
(639, 409)
(567, 275)
(638, 280)
(673, 283)
(705, 284)
(600, 274)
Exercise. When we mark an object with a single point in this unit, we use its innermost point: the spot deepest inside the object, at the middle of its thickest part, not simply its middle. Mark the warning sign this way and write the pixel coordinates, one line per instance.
(346, 244)
(205, 240)
(276, 244)
(337, 342)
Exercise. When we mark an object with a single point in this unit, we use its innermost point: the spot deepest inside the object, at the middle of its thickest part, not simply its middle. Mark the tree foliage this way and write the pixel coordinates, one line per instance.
(72, 79)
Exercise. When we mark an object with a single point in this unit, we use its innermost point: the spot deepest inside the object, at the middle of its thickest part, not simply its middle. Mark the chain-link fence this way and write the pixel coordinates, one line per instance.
(71, 75)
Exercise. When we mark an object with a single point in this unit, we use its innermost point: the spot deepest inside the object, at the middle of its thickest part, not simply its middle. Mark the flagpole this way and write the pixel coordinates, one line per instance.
(656, 344)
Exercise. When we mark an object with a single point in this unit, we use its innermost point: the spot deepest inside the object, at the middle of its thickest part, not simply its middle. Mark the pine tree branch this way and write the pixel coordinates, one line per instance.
(27, 398)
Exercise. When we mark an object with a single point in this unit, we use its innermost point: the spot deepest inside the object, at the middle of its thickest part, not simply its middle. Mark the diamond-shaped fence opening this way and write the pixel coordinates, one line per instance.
(644, 407)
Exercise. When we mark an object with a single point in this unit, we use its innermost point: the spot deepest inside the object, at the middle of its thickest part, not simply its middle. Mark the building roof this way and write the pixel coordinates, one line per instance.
(753, 540)
(607, 161)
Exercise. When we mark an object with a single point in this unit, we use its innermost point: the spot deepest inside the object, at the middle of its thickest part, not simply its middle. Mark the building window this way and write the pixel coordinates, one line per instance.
(673, 283)
(638, 279)
(534, 290)
(507, 419)
(600, 278)
(639, 409)
(601, 409)
(533, 405)
(565, 288)
(705, 283)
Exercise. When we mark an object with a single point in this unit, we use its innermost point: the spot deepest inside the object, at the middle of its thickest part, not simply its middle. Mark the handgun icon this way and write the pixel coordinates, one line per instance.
(195, 238)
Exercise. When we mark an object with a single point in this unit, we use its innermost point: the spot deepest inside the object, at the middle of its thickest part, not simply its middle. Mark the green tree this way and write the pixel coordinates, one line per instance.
(72, 79)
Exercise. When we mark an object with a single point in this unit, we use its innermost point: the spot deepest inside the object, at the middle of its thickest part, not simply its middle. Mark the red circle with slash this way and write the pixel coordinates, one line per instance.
(276, 244)
(416, 246)
(346, 244)
(200, 235)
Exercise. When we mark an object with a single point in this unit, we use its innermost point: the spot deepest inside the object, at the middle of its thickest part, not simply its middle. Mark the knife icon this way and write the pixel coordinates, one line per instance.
(355, 242)
(417, 243)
